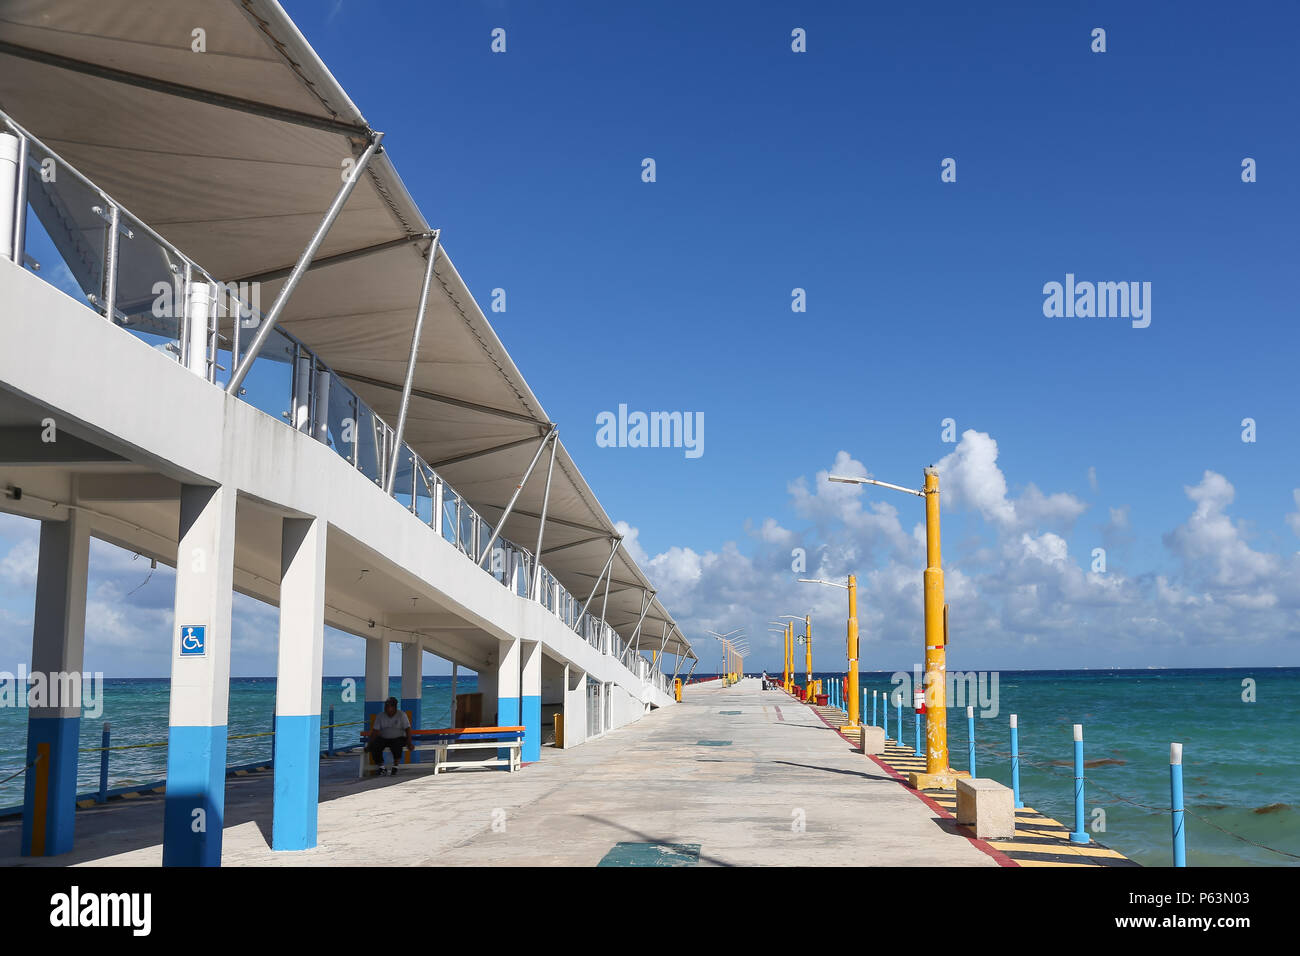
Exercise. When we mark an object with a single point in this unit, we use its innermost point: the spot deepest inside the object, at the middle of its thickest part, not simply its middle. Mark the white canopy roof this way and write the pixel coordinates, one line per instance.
(234, 155)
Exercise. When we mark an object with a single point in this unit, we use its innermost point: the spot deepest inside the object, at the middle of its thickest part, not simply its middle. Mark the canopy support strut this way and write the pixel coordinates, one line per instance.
(273, 316)
(501, 523)
(410, 363)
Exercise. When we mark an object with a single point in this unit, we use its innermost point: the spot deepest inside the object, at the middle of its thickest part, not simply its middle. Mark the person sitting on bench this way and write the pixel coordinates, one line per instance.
(390, 731)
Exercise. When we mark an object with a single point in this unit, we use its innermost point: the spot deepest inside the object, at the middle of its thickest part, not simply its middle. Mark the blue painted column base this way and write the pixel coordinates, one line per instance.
(508, 716)
(296, 782)
(532, 714)
(50, 788)
(195, 804)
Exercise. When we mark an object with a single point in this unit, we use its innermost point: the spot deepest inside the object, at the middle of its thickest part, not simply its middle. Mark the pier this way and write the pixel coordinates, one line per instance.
(733, 776)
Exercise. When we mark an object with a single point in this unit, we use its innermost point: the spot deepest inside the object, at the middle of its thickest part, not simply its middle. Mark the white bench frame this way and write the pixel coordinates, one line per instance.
(514, 760)
(440, 762)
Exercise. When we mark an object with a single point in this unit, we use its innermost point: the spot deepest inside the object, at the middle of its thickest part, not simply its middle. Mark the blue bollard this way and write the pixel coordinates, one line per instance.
(873, 706)
(102, 796)
(1015, 765)
(1080, 835)
(900, 718)
(916, 719)
(1176, 803)
(330, 749)
(970, 740)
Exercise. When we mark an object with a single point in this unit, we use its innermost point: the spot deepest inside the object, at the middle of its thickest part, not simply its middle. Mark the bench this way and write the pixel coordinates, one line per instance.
(440, 741)
(986, 805)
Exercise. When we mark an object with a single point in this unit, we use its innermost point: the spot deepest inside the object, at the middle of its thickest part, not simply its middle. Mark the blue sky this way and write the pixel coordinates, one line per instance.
(821, 170)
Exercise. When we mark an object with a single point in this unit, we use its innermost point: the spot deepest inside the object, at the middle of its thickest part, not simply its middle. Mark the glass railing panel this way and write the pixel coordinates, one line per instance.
(151, 289)
(370, 443)
(467, 521)
(341, 420)
(484, 536)
(66, 227)
(451, 515)
(402, 482)
(425, 483)
(268, 385)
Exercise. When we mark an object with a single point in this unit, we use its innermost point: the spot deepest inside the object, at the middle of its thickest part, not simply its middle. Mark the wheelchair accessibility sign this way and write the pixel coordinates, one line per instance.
(194, 640)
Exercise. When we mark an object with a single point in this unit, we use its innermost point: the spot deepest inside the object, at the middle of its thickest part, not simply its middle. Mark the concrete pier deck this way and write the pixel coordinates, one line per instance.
(1039, 840)
(733, 776)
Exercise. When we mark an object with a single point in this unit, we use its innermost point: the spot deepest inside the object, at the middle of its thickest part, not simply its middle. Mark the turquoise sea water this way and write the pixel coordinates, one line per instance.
(1239, 759)
(136, 709)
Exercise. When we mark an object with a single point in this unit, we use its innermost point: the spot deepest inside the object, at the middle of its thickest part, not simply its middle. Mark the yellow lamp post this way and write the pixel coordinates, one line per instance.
(787, 664)
(851, 692)
(805, 640)
(729, 657)
(938, 774)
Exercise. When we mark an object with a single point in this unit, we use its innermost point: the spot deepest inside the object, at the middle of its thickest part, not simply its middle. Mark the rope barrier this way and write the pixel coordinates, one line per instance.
(22, 771)
(163, 743)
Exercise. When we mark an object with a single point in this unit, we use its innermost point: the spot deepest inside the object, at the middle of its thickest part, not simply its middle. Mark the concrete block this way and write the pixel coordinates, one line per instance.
(872, 740)
(987, 806)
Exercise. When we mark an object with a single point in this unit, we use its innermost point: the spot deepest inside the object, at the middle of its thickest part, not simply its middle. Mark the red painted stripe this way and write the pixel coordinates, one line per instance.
(1001, 858)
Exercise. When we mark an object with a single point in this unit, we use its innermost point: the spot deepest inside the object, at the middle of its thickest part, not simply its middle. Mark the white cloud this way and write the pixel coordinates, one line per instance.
(969, 477)
(1212, 547)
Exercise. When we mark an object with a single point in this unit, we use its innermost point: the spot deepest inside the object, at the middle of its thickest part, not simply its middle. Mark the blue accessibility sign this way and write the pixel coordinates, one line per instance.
(194, 640)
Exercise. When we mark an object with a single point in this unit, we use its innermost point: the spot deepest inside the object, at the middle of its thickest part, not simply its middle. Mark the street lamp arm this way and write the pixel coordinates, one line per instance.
(851, 480)
(829, 584)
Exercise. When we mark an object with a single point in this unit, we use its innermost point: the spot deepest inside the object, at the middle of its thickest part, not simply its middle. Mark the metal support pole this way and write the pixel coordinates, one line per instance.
(410, 362)
(515, 497)
(936, 636)
(608, 562)
(1079, 834)
(807, 636)
(20, 205)
(102, 797)
(646, 600)
(535, 585)
(970, 740)
(851, 691)
(604, 603)
(272, 317)
(110, 264)
(1175, 803)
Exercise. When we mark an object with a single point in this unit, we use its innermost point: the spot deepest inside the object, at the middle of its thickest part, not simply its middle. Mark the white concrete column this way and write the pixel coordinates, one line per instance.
(412, 684)
(54, 717)
(507, 704)
(575, 706)
(200, 687)
(530, 699)
(376, 677)
(298, 683)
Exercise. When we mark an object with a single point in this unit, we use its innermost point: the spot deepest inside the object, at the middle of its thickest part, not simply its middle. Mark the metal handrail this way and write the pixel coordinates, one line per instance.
(595, 631)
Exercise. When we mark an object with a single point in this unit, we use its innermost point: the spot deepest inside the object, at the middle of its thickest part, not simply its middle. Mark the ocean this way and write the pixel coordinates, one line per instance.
(1239, 757)
(136, 709)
